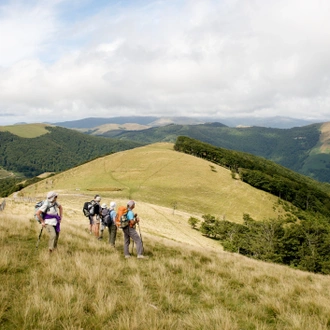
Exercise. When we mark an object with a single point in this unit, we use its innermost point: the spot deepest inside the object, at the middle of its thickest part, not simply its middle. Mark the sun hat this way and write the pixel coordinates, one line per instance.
(51, 195)
(112, 205)
(104, 206)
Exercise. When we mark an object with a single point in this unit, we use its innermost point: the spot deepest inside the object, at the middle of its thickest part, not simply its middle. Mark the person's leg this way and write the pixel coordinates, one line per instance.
(56, 239)
(52, 236)
(112, 235)
(126, 241)
(90, 224)
(102, 226)
(137, 239)
(96, 227)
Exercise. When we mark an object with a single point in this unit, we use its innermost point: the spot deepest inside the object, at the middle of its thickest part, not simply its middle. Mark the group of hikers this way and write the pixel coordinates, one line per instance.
(100, 216)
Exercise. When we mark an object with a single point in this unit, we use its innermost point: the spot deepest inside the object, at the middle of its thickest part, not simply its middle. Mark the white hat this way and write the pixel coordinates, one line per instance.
(112, 205)
(51, 195)
(104, 206)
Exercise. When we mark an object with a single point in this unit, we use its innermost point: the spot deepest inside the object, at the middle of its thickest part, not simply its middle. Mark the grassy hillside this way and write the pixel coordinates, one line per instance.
(187, 283)
(318, 159)
(302, 149)
(28, 131)
(159, 175)
(303, 192)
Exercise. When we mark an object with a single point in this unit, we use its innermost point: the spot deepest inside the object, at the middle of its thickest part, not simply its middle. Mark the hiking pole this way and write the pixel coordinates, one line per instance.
(140, 235)
(39, 237)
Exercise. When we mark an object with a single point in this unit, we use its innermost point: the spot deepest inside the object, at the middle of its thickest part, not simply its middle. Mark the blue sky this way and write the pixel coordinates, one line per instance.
(71, 59)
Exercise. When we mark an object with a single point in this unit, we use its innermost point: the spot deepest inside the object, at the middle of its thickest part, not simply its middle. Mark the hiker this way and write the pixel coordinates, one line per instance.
(50, 219)
(112, 228)
(104, 219)
(94, 218)
(130, 232)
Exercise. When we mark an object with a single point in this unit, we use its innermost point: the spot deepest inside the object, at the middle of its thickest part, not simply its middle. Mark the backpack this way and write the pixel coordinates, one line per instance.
(88, 208)
(106, 219)
(121, 217)
(37, 207)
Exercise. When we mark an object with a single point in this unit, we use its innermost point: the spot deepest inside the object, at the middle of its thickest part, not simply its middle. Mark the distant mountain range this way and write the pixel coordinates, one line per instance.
(152, 121)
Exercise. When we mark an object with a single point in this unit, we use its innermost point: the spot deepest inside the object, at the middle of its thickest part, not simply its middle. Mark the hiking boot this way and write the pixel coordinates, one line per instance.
(128, 256)
(142, 257)
(99, 238)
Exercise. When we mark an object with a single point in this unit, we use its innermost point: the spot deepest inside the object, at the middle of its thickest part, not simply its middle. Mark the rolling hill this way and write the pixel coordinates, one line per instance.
(189, 282)
(158, 175)
(301, 149)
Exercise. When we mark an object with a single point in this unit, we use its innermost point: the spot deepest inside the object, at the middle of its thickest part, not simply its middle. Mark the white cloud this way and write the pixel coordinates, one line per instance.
(188, 57)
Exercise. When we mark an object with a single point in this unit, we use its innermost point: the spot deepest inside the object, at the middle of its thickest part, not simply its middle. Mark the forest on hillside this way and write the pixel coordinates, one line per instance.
(57, 151)
(303, 192)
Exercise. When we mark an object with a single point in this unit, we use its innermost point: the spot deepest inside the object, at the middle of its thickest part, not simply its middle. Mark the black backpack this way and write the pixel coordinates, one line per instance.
(106, 219)
(88, 208)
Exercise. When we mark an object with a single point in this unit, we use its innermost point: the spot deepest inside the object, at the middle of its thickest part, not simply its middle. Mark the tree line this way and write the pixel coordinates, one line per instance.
(302, 243)
(303, 192)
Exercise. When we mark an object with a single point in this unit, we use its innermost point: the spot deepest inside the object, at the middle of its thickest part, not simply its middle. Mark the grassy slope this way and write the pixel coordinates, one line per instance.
(26, 130)
(325, 138)
(319, 157)
(188, 282)
(158, 175)
(5, 174)
(184, 285)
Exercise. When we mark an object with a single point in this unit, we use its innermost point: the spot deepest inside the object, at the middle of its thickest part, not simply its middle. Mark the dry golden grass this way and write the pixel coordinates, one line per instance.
(158, 175)
(188, 282)
(185, 284)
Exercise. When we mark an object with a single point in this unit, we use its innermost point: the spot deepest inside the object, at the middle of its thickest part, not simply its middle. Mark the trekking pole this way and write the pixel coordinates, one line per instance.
(39, 237)
(140, 235)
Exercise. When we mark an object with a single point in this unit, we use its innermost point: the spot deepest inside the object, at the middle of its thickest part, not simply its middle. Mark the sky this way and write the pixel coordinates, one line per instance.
(64, 60)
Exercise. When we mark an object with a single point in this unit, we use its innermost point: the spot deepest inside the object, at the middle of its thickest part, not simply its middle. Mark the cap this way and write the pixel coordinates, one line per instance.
(112, 205)
(51, 195)
(130, 203)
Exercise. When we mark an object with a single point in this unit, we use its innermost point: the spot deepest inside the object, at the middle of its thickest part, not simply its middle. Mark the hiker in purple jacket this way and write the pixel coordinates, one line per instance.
(50, 215)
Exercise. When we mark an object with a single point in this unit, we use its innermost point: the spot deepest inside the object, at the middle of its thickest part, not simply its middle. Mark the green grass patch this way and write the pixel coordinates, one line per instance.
(26, 130)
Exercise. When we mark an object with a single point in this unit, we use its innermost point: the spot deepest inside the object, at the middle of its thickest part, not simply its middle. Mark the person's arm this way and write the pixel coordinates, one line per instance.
(39, 215)
(61, 211)
(133, 218)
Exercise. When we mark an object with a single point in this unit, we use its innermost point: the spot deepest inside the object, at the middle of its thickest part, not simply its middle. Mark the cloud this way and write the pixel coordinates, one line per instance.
(188, 57)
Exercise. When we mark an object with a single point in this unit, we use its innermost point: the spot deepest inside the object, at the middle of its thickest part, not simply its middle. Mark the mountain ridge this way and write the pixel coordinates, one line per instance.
(152, 121)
